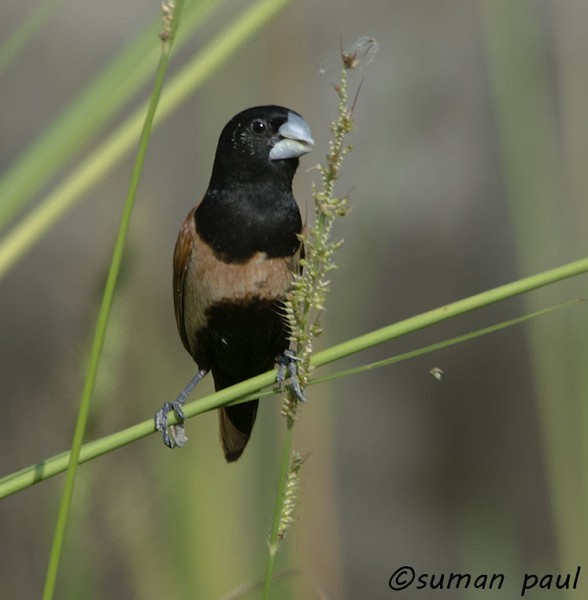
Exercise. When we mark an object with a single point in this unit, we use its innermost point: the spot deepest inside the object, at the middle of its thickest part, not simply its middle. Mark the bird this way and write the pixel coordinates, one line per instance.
(233, 263)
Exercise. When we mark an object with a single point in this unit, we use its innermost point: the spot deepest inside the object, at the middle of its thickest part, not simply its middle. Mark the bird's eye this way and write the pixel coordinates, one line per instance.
(258, 126)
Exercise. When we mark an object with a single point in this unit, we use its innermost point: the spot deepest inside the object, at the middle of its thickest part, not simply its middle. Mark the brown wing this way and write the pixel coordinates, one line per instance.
(182, 257)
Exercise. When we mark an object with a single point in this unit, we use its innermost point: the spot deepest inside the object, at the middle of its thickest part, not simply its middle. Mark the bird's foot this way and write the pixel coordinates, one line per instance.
(178, 433)
(288, 369)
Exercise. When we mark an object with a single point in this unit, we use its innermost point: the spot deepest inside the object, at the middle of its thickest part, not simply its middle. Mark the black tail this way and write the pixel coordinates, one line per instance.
(236, 423)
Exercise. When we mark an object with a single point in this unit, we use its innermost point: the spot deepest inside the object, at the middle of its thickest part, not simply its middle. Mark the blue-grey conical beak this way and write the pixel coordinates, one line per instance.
(295, 139)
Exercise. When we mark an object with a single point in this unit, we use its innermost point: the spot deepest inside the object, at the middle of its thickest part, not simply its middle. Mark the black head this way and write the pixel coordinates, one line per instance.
(261, 141)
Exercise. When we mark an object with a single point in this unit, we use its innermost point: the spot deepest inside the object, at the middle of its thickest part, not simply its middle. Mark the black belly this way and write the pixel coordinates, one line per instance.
(241, 340)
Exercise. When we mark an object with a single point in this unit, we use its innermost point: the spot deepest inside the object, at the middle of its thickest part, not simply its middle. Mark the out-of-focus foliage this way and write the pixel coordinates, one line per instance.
(467, 172)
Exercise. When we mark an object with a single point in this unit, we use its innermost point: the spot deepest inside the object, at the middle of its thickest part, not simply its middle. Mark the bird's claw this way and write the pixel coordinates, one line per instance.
(178, 434)
(287, 368)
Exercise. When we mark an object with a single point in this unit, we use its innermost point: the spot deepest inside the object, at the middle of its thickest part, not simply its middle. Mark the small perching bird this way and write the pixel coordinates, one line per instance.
(233, 263)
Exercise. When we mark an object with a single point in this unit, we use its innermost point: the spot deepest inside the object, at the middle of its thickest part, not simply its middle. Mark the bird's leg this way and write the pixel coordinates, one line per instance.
(287, 366)
(177, 430)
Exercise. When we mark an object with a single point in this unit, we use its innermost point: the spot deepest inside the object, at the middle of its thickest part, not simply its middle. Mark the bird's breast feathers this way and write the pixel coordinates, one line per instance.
(209, 281)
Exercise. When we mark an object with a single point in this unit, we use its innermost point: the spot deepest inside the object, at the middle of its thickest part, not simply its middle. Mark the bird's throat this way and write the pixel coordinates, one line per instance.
(257, 219)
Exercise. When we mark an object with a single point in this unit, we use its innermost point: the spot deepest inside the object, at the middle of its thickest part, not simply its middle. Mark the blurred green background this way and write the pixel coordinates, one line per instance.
(469, 171)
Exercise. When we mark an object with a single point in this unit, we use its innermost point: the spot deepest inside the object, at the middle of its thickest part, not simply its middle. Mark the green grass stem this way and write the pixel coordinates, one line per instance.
(452, 310)
(105, 308)
(443, 344)
(273, 542)
(49, 467)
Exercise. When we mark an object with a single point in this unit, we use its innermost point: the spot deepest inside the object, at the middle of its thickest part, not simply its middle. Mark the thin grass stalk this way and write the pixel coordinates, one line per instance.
(305, 302)
(49, 467)
(460, 339)
(171, 20)
(273, 542)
